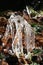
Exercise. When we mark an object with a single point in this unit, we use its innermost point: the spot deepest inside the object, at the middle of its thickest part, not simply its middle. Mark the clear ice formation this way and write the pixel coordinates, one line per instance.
(21, 26)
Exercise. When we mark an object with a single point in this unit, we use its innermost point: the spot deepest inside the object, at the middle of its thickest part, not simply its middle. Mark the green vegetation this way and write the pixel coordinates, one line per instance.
(37, 28)
(37, 51)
